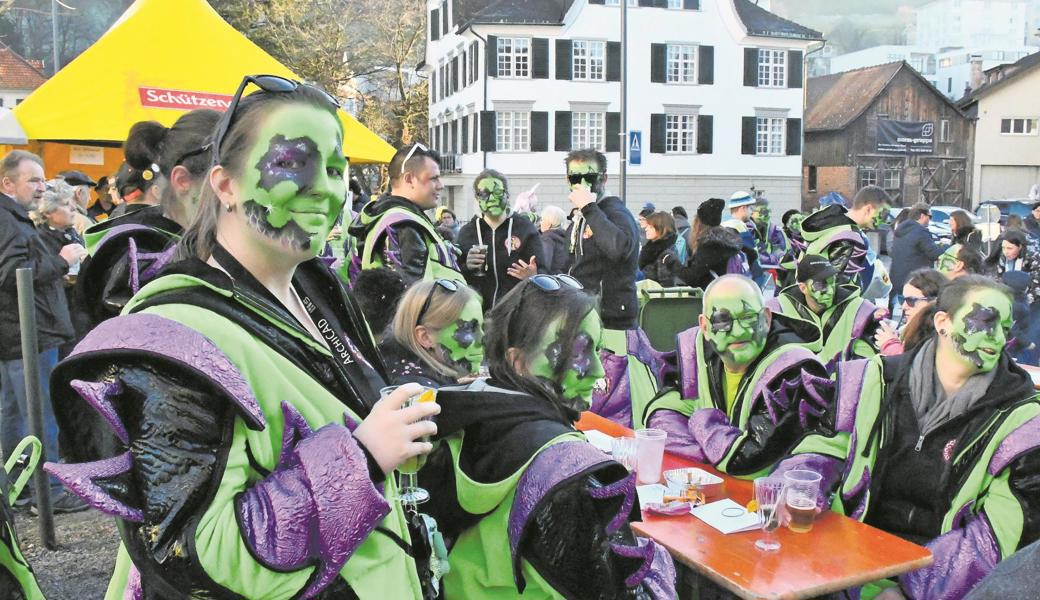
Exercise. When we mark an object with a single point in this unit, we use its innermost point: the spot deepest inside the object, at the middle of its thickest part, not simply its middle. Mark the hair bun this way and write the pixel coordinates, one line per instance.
(144, 144)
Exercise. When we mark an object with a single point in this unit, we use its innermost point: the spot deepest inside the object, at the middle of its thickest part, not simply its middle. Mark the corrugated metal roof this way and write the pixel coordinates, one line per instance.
(762, 23)
(834, 101)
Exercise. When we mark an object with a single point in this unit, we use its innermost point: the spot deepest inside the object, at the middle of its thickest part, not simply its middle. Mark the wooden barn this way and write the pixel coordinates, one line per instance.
(888, 126)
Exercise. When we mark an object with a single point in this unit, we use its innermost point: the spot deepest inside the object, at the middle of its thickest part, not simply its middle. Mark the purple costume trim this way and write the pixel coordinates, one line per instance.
(851, 376)
(644, 550)
(1023, 439)
(660, 581)
(714, 433)
(626, 488)
(791, 357)
(614, 403)
(773, 304)
(97, 394)
(639, 347)
(829, 468)
(680, 441)
(119, 230)
(686, 349)
(858, 489)
(318, 503)
(864, 316)
(152, 334)
(133, 585)
(962, 558)
(386, 225)
(79, 479)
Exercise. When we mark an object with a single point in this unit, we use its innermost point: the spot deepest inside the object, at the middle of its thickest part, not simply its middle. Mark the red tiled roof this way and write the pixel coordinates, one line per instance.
(16, 73)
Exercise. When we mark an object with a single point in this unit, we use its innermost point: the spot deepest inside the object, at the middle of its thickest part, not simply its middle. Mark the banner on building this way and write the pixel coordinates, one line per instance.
(905, 137)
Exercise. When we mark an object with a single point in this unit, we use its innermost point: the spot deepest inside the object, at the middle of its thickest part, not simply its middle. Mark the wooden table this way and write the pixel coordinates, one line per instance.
(838, 554)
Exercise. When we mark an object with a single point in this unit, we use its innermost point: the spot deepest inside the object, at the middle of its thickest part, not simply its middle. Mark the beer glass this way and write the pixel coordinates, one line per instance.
(802, 489)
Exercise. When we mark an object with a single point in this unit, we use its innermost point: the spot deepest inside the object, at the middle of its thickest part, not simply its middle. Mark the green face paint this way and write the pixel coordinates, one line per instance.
(574, 370)
(794, 223)
(737, 328)
(462, 342)
(981, 328)
(760, 215)
(593, 180)
(823, 292)
(491, 197)
(948, 260)
(881, 217)
(293, 184)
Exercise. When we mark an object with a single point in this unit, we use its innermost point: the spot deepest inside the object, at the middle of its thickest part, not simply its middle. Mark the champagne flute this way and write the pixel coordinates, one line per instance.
(769, 492)
(409, 492)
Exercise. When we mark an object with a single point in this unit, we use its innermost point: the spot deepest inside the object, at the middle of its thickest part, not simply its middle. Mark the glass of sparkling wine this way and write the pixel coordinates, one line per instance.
(802, 489)
(409, 491)
(769, 492)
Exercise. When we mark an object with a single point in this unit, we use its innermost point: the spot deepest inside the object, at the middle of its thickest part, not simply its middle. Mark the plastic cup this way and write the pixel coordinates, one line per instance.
(623, 450)
(802, 489)
(649, 455)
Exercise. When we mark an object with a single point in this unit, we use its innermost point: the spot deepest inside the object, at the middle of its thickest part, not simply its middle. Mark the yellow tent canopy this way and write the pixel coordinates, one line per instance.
(160, 59)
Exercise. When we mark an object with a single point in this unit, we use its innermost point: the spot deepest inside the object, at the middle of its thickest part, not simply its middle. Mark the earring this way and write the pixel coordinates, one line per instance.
(942, 332)
(228, 208)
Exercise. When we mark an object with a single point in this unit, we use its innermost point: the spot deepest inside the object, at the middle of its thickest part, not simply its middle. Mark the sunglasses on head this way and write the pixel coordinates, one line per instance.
(555, 283)
(267, 83)
(912, 301)
(576, 178)
(450, 286)
(411, 152)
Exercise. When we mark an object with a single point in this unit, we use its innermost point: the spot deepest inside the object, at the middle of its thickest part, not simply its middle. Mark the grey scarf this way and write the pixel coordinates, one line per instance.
(931, 404)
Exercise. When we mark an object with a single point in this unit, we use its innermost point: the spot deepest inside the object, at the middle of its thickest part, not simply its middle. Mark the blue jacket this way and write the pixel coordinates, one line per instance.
(914, 249)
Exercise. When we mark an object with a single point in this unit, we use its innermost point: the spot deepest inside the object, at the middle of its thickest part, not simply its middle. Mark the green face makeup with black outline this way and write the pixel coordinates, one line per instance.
(737, 327)
(576, 371)
(981, 328)
(582, 168)
(491, 197)
(881, 216)
(948, 260)
(462, 342)
(760, 215)
(794, 223)
(823, 292)
(293, 185)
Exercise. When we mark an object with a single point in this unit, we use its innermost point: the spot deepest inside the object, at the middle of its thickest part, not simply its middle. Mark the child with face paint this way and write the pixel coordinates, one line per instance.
(939, 445)
(239, 434)
(500, 247)
(531, 507)
(437, 336)
(837, 233)
(129, 250)
(845, 321)
(748, 388)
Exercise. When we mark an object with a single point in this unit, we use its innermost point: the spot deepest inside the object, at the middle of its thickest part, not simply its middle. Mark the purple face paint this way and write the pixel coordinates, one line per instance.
(294, 160)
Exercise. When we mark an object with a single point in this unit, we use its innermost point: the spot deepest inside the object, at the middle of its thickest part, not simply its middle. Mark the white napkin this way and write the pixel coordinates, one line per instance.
(712, 514)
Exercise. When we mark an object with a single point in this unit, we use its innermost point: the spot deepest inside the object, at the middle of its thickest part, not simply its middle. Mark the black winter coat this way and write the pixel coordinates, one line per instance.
(21, 246)
(658, 260)
(604, 244)
(914, 249)
(516, 238)
(714, 250)
(554, 250)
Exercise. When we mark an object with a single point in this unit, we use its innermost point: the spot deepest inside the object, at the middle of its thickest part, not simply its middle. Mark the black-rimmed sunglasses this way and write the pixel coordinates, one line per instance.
(912, 301)
(267, 83)
(590, 178)
(554, 283)
(450, 286)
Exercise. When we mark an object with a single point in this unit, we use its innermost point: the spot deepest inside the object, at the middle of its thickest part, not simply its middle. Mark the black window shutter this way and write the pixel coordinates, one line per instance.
(646, 2)
(600, 2)
(748, 133)
(491, 48)
(476, 131)
(487, 130)
(794, 137)
(474, 57)
(563, 131)
(661, 3)
(539, 131)
(794, 68)
(751, 67)
(563, 59)
(613, 132)
(613, 61)
(435, 30)
(691, 4)
(658, 133)
(706, 65)
(465, 134)
(658, 58)
(705, 133)
(444, 16)
(455, 74)
(540, 58)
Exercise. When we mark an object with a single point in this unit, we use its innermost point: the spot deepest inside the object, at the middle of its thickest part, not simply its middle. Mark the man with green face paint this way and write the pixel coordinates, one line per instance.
(940, 445)
(770, 240)
(837, 233)
(748, 386)
(845, 321)
(500, 247)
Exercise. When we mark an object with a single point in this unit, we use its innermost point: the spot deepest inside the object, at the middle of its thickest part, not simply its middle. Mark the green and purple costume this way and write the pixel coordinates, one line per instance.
(17, 580)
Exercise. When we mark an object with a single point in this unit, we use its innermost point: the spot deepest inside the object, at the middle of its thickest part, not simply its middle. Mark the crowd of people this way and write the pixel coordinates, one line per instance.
(235, 342)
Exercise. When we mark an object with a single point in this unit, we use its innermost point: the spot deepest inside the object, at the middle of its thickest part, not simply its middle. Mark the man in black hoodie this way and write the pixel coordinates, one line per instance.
(604, 240)
(395, 232)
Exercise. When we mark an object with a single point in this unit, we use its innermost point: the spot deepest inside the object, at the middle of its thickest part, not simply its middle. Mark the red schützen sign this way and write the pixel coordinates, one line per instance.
(182, 100)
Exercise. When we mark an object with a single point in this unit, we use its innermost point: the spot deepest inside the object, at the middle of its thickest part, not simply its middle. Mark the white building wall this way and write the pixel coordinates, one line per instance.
(10, 98)
(1002, 155)
(978, 23)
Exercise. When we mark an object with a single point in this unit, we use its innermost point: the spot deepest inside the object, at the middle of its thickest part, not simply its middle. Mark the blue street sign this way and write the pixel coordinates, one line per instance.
(635, 147)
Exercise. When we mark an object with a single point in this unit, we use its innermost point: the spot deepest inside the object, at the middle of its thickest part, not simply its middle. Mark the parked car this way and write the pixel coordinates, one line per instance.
(939, 226)
(1017, 206)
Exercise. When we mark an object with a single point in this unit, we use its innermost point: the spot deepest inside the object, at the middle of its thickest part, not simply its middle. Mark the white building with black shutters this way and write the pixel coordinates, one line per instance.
(715, 92)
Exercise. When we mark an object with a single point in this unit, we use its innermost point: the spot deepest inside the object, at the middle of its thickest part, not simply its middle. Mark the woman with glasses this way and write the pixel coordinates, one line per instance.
(919, 294)
(437, 335)
(500, 247)
(526, 505)
(169, 165)
(233, 414)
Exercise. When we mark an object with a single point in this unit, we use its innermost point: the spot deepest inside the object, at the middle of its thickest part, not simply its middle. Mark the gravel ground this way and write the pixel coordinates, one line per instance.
(79, 569)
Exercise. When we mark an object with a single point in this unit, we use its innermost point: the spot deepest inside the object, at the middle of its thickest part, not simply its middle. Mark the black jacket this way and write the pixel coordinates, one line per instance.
(914, 249)
(408, 240)
(516, 238)
(55, 240)
(658, 261)
(969, 237)
(403, 366)
(604, 245)
(714, 251)
(21, 246)
(554, 250)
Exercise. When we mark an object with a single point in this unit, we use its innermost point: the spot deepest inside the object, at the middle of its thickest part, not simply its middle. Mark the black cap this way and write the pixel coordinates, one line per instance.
(710, 211)
(77, 178)
(814, 267)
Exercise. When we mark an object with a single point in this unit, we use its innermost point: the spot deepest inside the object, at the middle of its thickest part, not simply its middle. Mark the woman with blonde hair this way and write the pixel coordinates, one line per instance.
(437, 335)
(554, 240)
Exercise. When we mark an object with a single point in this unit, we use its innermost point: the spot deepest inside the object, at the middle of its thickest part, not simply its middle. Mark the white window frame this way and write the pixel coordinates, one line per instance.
(864, 181)
(1028, 126)
(680, 133)
(631, 3)
(890, 183)
(589, 129)
(944, 131)
(675, 4)
(770, 136)
(512, 131)
(772, 68)
(681, 64)
(588, 60)
(514, 58)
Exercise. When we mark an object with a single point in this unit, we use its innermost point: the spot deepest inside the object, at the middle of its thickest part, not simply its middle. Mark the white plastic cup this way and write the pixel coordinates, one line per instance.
(649, 455)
